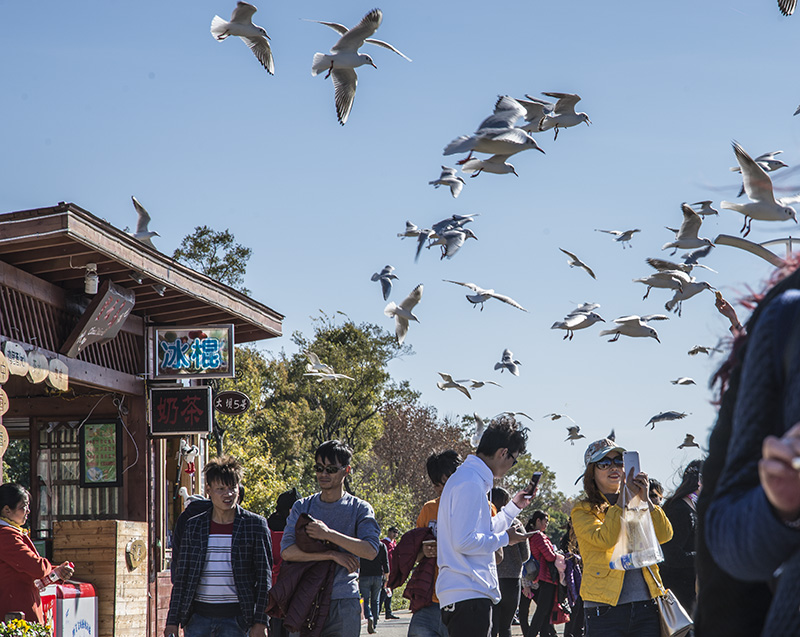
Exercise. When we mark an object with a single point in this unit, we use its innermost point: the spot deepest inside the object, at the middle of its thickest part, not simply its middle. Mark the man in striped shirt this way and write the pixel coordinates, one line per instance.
(224, 571)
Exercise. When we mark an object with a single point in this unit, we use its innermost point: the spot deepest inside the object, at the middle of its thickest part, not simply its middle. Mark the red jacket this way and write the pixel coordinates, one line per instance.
(544, 551)
(20, 566)
(301, 596)
(422, 585)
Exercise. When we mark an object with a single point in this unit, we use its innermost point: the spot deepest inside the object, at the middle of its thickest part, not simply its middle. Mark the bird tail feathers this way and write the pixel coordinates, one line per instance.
(607, 332)
(390, 309)
(318, 64)
(461, 144)
(218, 28)
(731, 205)
(558, 325)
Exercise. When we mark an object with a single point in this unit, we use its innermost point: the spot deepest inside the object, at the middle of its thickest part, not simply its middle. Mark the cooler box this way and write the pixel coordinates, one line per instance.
(70, 609)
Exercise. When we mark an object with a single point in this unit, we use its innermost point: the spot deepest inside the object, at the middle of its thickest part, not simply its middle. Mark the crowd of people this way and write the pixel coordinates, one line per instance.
(724, 541)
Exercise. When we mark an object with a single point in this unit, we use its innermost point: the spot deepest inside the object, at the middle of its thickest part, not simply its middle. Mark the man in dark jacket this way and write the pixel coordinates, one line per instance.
(223, 573)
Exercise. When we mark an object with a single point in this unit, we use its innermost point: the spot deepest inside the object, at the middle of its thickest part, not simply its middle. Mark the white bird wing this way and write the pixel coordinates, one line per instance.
(261, 49)
(571, 256)
(513, 135)
(412, 299)
(456, 184)
(344, 92)
(471, 286)
(356, 36)
(633, 319)
(535, 108)
(584, 308)
(616, 233)
(446, 377)
(447, 172)
(757, 183)
(144, 217)
(662, 265)
(243, 13)
(654, 317)
(453, 239)
(506, 112)
(506, 299)
(386, 45)
(339, 28)
(691, 223)
(566, 102)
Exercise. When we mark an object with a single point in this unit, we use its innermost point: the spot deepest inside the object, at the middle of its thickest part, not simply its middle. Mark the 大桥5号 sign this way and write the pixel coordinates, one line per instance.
(194, 352)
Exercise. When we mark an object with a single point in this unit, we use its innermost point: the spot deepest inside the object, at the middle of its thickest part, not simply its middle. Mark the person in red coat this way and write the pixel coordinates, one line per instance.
(20, 563)
(544, 551)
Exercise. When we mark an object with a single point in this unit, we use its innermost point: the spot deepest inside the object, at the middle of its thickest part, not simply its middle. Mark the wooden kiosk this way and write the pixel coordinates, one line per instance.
(79, 304)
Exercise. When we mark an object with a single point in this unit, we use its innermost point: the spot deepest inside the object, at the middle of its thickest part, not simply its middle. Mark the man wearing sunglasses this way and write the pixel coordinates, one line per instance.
(468, 535)
(341, 519)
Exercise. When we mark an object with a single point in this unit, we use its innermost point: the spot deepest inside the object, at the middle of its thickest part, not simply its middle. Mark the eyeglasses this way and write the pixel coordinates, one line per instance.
(331, 468)
(513, 457)
(606, 463)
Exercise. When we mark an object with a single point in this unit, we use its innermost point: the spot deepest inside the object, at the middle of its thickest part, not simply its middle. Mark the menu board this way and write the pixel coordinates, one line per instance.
(101, 453)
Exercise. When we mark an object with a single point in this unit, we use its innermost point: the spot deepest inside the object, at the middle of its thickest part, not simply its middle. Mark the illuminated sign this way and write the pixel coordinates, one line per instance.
(194, 352)
(180, 410)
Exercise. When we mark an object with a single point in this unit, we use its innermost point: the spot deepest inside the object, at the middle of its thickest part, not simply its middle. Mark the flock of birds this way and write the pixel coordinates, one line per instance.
(509, 130)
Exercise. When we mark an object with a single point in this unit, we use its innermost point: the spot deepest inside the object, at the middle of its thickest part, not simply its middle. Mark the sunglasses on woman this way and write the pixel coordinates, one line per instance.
(605, 463)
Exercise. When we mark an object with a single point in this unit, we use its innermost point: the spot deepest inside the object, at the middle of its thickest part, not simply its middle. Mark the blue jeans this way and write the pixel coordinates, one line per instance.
(370, 588)
(344, 619)
(427, 622)
(200, 626)
(637, 619)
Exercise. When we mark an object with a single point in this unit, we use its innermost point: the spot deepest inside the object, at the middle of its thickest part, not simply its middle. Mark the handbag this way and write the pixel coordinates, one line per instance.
(675, 621)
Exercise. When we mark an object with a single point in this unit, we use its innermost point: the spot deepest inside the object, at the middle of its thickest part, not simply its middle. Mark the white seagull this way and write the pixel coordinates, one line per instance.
(683, 380)
(758, 186)
(563, 115)
(555, 416)
(241, 24)
(322, 376)
(507, 362)
(402, 313)
(634, 326)
(767, 161)
(481, 296)
(477, 384)
(623, 236)
(688, 441)
(513, 414)
(670, 279)
(687, 291)
(704, 208)
(575, 262)
(496, 164)
(143, 234)
(452, 240)
(665, 415)
(701, 349)
(580, 318)
(385, 276)
(344, 58)
(573, 434)
(480, 427)
(450, 179)
(316, 366)
(686, 238)
(449, 383)
(411, 231)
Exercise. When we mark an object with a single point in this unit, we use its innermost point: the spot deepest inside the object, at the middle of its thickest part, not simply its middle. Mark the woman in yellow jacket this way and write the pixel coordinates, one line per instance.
(617, 603)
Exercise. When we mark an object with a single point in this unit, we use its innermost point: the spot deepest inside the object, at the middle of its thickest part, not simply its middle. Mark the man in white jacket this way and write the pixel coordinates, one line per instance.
(468, 535)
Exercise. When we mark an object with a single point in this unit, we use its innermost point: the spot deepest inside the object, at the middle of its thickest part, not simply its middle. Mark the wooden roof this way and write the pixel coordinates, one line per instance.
(55, 243)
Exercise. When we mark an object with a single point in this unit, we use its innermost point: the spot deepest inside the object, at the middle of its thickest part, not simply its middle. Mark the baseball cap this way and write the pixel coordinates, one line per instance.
(598, 450)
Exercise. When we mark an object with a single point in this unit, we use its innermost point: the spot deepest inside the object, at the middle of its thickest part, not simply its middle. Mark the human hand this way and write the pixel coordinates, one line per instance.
(779, 479)
(726, 309)
(523, 498)
(318, 530)
(429, 548)
(347, 560)
(64, 570)
(170, 630)
(517, 534)
(258, 630)
(639, 485)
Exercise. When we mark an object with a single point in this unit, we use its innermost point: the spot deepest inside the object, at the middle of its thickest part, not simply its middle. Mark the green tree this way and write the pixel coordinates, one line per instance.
(216, 254)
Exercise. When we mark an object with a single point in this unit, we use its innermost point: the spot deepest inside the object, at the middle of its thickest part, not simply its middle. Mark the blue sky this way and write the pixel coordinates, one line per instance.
(104, 100)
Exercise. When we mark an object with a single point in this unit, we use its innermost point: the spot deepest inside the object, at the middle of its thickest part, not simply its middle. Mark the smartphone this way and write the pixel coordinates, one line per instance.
(537, 475)
(631, 460)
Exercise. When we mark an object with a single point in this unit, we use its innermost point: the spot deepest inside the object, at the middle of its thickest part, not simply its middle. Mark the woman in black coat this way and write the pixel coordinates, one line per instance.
(678, 570)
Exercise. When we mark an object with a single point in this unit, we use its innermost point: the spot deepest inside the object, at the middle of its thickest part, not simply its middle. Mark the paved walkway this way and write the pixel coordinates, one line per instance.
(399, 627)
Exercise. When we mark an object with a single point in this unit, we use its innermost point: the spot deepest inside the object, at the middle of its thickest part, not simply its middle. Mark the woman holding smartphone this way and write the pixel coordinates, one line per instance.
(616, 603)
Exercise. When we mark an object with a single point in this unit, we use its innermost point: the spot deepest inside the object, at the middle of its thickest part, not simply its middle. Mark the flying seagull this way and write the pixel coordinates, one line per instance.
(241, 24)
(563, 115)
(480, 427)
(321, 376)
(701, 349)
(316, 366)
(686, 238)
(496, 164)
(634, 326)
(575, 262)
(580, 318)
(683, 380)
(623, 236)
(385, 276)
(758, 186)
(402, 313)
(411, 231)
(688, 441)
(513, 414)
(665, 415)
(477, 384)
(344, 58)
(449, 383)
(670, 279)
(143, 234)
(574, 434)
(481, 296)
(704, 208)
(450, 179)
(767, 161)
(557, 417)
(507, 362)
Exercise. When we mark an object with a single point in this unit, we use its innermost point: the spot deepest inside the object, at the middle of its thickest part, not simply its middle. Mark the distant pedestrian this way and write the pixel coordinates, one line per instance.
(468, 535)
(372, 577)
(277, 523)
(543, 550)
(390, 541)
(224, 569)
(509, 572)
